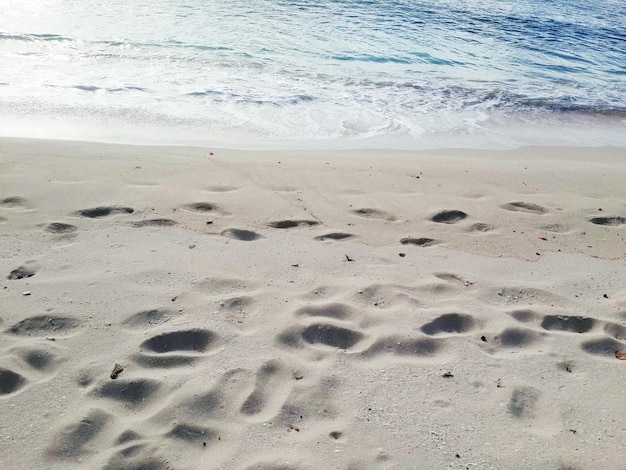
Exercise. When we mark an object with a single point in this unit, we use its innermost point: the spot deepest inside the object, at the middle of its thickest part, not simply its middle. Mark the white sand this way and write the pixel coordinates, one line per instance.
(491, 346)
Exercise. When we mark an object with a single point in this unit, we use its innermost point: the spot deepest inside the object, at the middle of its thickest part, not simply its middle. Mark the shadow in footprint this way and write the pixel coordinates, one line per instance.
(369, 213)
(192, 434)
(61, 228)
(163, 362)
(104, 211)
(525, 315)
(334, 236)
(38, 359)
(240, 234)
(520, 206)
(10, 381)
(331, 335)
(189, 340)
(134, 392)
(284, 224)
(449, 217)
(201, 207)
(564, 323)
(418, 241)
(154, 223)
(603, 347)
(42, 325)
(449, 323)
(516, 337)
(611, 221)
(72, 440)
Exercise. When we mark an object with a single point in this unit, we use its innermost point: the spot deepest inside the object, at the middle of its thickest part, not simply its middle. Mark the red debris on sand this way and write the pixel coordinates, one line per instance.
(543, 238)
(620, 355)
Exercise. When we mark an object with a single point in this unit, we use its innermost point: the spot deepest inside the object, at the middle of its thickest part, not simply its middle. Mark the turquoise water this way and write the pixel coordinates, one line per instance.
(326, 73)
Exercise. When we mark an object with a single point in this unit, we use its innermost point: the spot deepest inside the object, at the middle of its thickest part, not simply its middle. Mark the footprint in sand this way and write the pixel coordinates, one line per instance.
(241, 234)
(334, 236)
(333, 310)
(148, 318)
(403, 346)
(609, 221)
(481, 227)
(61, 228)
(369, 213)
(269, 391)
(133, 393)
(449, 217)
(189, 342)
(517, 338)
(28, 269)
(419, 241)
(104, 211)
(449, 323)
(527, 207)
(71, 441)
(284, 224)
(10, 382)
(154, 223)
(42, 325)
(324, 334)
(13, 202)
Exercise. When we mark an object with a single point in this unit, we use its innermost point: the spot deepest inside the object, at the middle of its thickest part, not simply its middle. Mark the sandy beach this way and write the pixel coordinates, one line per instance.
(372, 309)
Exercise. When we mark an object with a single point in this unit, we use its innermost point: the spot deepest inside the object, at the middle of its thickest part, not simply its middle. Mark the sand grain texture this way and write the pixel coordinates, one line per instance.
(302, 310)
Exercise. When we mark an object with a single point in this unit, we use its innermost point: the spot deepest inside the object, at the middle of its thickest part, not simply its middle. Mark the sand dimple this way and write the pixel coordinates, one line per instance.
(72, 441)
(60, 228)
(418, 241)
(188, 340)
(449, 323)
(154, 223)
(521, 206)
(449, 217)
(241, 234)
(104, 211)
(571, 324)
(41, 325)
(284, 224)
(334, 236)
(331, 335)
(370, 213)
(610, 221)
(10, 381)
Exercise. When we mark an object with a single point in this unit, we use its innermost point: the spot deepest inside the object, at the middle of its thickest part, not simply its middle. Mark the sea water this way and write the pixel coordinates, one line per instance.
(315, 73)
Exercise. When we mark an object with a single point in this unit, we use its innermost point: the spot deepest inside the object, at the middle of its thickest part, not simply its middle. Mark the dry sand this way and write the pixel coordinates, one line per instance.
(311, 310)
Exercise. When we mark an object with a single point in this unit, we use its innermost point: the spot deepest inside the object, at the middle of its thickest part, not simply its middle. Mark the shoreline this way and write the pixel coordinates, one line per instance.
(311, 309)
